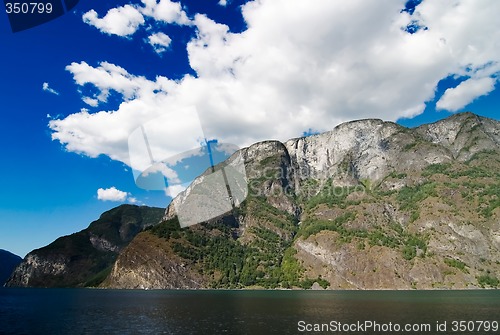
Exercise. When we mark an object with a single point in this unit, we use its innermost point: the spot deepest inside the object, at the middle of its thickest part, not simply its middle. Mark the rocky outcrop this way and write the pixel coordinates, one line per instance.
(35, 266)
(84, 258)
(149, 262)
(463, 134)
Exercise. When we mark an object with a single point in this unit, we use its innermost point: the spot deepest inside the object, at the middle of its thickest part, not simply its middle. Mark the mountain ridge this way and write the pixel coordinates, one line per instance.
(413, 186)
(368, 205)
(84, 258)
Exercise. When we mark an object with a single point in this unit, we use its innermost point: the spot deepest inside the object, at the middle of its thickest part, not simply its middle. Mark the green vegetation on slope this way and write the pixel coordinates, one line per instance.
(265, 261)
(488, 281)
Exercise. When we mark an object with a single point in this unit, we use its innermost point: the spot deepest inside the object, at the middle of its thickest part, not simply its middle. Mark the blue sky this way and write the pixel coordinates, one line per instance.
(252, 72)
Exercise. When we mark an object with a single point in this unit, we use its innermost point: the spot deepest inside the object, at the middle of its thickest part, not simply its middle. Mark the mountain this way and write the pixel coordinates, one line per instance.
(85, 258)
(368, 205)
(8, 262)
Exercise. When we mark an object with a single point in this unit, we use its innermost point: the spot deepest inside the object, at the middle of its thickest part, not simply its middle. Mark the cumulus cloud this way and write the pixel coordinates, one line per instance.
(165, 11)
(458, 97)
(90, 101)
(160, 42)
(111, 194)
(298, 67)
(222, 3)
(114, 194)
(173, 191)
(121, 21)
(107, 77)
(46, 87)
(125, 20)
(109, 135)
(133, 200)
(165, 171)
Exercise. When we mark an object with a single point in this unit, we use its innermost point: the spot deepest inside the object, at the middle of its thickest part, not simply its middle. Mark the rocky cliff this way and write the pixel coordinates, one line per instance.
(84, 258)
(368, 205)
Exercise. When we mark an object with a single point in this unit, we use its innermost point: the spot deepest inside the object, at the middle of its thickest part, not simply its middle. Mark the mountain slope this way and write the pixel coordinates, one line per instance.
(8, 262)
(84, 258)
(368, 205)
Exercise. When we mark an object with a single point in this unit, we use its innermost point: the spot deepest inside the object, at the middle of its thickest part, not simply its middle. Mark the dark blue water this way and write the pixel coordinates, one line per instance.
(87, 311)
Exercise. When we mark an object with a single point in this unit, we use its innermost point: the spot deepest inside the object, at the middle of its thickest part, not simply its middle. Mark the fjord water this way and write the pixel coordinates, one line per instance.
(89, 311)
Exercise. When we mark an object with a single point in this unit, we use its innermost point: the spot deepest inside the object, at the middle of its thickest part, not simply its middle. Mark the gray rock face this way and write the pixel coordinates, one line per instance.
(147, 262)
(35, 266)
(100, 243)
(463, 134)
(362, 150)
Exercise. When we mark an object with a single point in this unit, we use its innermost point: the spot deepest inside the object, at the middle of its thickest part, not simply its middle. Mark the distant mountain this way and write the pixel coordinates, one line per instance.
(8, 262)
(368, 205)
(85, 258)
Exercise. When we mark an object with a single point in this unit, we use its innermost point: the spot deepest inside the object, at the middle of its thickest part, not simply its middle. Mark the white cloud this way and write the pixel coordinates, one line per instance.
(108, 132)
(133, 200)
(166, 171)
(89, 101)
(108, 77)
(160, 42)
(173, 191)
(297, 67)
(126, 20)
(458, 97)
(165, 11)
(46, 87)
(121, 21)
(111, 194)
(222, 3)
